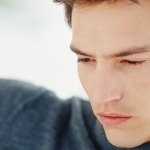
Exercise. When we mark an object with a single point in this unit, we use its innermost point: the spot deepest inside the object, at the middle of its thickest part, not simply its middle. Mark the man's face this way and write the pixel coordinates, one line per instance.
(116, 73)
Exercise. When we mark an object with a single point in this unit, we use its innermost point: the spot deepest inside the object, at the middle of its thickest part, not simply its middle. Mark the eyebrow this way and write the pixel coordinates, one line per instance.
(123, 53)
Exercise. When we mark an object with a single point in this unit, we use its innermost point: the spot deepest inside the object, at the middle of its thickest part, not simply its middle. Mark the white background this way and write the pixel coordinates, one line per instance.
(34, 46)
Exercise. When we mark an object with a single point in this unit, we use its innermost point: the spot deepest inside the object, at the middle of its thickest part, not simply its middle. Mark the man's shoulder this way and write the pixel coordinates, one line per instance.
(16, 92)
(32, 113)
(18, 97)
(18, 87)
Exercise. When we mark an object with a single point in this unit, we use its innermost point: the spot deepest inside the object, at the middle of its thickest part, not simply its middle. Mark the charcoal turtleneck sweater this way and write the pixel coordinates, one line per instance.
(34, 118)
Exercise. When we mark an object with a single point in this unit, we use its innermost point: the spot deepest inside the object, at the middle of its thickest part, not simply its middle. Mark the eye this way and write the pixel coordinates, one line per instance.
(133, 63)
(85, 60)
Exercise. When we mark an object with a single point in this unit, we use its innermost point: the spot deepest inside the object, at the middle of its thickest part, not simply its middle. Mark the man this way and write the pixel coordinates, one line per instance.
(111, 40)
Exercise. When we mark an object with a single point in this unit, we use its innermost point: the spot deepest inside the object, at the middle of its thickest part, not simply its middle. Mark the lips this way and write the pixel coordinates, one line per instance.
(113, 115)
(113, 119)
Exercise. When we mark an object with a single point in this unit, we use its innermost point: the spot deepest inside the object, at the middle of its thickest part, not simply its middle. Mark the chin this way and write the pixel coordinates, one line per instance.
(119, 140)
(123, 144)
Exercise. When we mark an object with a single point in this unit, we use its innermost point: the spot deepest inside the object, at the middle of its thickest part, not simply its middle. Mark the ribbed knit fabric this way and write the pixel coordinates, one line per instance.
(34, 118)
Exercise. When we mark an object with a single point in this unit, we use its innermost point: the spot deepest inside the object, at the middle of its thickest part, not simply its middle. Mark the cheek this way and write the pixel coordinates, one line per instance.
(140, 99)
(137, 92)
(140, 82)
(142, 91)
(87, 79)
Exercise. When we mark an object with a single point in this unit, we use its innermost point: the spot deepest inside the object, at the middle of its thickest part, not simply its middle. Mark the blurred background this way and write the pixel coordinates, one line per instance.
(34, 46)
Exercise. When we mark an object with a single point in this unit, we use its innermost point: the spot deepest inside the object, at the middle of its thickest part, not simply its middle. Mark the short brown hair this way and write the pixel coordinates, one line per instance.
(68, 4)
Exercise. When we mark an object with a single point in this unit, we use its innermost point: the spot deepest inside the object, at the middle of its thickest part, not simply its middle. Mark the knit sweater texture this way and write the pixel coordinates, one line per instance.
(35, 118)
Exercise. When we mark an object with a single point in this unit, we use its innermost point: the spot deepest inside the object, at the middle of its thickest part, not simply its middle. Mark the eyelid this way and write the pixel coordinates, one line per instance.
(133, 63)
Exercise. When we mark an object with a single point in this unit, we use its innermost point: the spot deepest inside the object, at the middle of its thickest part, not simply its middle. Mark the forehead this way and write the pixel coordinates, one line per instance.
(111, 26)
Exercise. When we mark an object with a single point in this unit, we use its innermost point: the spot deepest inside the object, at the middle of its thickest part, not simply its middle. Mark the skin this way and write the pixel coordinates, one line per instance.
(114, 84)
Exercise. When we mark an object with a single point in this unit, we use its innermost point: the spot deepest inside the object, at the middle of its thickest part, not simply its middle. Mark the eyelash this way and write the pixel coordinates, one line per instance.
(132, 63)
(84, 60)
(135, 63)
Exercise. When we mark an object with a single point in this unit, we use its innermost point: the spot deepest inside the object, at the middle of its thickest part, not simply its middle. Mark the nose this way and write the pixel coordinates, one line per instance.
(107, 85)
